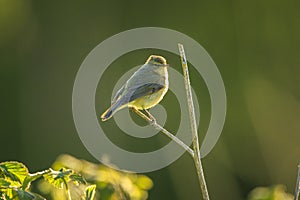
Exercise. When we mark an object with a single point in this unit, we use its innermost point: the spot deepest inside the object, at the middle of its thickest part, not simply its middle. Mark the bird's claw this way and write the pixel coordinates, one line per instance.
(152, 121)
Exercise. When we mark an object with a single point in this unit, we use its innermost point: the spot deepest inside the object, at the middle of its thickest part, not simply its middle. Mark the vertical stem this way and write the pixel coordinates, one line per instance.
(296, 197)
(197, 158)
(67, 190)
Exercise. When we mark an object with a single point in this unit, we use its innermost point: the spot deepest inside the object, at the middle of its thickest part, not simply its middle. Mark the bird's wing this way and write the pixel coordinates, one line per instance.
(134, 78)
(143, 90)
(118, 95)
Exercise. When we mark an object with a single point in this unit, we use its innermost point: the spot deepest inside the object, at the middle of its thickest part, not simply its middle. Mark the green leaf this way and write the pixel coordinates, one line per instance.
(7, 193)
(37, 196)
(77, 178)
(24, 195)
(14, 170)
(63, 176)
(57, 178)
(90, 192)
(4, 183)
(19, 194)
(33, 177)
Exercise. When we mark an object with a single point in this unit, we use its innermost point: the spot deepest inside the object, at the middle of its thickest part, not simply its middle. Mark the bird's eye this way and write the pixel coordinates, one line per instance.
(159, 60)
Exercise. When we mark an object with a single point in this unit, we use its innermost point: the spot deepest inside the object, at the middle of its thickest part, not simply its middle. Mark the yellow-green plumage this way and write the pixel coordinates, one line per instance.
(144, 89)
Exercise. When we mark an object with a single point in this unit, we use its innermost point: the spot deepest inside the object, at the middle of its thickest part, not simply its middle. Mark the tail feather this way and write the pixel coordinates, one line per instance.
(107, 114)
(110, 111)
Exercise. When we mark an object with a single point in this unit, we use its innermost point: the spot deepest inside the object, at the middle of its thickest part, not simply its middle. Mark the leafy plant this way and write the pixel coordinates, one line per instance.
(276, 192)
(15, 180)
(63, 182)
(111, 184)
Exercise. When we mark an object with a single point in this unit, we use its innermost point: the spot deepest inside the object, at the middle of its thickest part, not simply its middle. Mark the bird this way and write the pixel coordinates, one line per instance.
(143, 90)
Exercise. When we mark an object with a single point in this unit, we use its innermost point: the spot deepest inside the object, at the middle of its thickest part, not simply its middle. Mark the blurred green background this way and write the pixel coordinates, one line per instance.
(255, 44)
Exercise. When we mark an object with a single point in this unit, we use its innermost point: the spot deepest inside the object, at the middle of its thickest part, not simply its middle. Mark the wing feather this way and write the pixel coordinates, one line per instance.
(145, 90)
(118, 95)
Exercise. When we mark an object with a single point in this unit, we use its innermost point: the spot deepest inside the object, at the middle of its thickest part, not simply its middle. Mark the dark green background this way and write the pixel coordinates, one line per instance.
(255, 44)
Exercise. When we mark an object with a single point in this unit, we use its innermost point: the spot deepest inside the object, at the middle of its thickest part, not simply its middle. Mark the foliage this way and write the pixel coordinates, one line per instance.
(111, 184)
(270, 193)
(15, 180)
(65, 181)
(90, 192)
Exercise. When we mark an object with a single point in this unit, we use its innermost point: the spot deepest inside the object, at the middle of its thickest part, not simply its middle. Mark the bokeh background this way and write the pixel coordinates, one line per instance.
(255, 44)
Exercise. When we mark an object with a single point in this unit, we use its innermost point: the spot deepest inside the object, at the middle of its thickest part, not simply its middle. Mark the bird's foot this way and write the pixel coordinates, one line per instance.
(152, 121)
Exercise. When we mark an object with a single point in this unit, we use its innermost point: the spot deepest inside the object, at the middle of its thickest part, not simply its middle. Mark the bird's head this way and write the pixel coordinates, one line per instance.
(156, 60)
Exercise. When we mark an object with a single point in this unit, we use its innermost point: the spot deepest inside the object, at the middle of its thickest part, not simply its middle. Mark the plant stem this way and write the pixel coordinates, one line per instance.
(67, 189)
(297, 190)
(166, 132)
(197, 157)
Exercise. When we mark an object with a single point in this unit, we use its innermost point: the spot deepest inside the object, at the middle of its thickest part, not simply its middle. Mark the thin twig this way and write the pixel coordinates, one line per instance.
(197, 157)
(163, 130)
(297, 190)
(68, 194)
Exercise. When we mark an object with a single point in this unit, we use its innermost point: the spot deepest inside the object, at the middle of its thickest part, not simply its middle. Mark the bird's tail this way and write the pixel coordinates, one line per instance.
(106, 115)
(110, 111)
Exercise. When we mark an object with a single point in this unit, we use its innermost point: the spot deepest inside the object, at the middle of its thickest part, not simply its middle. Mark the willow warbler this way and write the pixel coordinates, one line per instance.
(144, 89)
